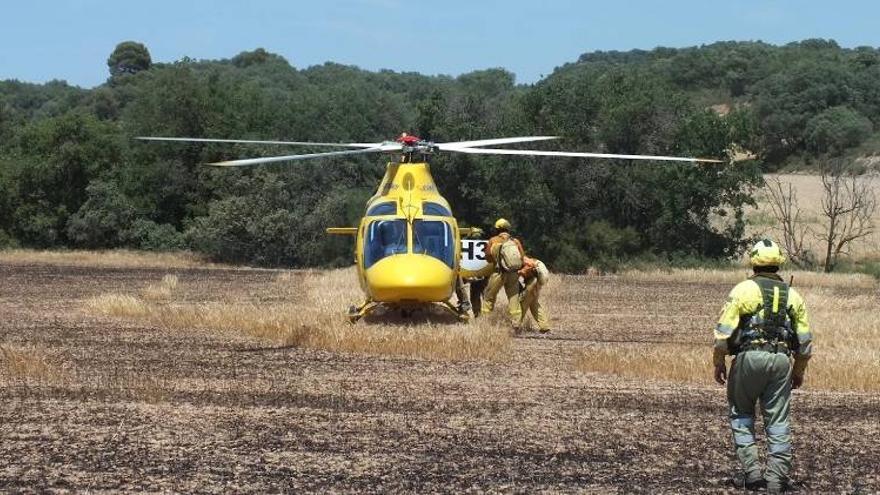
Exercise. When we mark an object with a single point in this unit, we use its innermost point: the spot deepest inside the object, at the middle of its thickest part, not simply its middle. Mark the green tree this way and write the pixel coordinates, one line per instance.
(256, 57)
(55, 160)
(102, 220)
(129, 57)
(836, 129)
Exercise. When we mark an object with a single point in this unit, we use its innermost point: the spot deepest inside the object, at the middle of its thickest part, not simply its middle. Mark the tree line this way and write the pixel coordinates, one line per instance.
(71, 176)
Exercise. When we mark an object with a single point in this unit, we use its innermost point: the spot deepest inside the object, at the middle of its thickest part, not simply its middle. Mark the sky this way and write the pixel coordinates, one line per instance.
(71, 40)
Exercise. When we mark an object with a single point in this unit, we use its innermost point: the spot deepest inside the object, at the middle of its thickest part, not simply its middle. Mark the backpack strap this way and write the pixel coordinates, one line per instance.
(774, 295)
(770, 325)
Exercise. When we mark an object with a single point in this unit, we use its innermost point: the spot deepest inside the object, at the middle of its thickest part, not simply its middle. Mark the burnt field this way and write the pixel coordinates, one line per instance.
(93, 401)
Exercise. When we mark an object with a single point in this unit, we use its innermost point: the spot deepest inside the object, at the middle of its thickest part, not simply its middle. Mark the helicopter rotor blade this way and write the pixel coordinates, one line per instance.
(455, 145)
(490, 151)
(250, 141)
(289, 158)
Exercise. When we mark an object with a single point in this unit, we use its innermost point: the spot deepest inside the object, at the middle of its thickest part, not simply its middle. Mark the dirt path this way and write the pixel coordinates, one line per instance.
(130, 407)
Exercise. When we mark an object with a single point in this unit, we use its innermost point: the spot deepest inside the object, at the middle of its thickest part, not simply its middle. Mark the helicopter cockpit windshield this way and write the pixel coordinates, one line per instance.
(389, 237)
(434, 238)
(384, 238)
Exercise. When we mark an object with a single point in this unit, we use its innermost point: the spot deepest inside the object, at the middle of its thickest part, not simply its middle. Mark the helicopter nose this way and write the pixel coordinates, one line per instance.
(410, 277)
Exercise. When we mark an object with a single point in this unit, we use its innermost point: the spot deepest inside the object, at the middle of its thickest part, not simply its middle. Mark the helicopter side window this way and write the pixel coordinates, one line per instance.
(430, 208)
(434, 238)
(389, 208)
(384, 238)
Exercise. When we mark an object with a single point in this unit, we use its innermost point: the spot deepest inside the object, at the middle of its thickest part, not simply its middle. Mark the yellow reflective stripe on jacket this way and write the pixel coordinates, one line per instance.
(745, 299)
(775, 299)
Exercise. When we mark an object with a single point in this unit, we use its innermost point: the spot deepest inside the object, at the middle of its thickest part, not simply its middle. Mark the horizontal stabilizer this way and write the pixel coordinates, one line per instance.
(342, 230)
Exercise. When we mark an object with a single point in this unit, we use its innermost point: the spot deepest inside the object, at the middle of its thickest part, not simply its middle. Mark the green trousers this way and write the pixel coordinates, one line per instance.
(765, 378)
(510, 282)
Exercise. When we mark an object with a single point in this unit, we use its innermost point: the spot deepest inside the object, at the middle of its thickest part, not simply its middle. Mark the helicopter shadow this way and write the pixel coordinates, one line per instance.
(421, 316)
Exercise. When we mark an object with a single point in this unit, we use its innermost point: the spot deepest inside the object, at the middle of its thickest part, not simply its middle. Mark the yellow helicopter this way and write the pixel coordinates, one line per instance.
(408, 246)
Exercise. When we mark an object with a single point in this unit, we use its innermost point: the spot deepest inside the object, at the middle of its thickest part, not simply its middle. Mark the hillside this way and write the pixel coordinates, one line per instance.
(806, 98)
(71, 176)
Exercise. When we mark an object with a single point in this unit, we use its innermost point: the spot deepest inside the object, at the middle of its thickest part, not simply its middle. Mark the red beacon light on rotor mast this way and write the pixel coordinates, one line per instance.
(413, 146)
(408, 139)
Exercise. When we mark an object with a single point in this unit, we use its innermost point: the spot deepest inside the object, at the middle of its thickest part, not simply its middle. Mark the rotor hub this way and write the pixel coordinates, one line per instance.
(414, 145)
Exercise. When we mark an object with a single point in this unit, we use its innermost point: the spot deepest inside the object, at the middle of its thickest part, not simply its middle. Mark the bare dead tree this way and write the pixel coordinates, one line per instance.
(848, 206)
(787, 212)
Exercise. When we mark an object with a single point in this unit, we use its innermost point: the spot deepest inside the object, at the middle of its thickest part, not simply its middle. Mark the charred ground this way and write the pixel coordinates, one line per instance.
(123, 405)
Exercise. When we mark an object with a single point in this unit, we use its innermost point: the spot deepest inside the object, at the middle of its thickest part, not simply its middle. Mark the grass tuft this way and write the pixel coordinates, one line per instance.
(161, 291)
(28, 364)
(117, 305)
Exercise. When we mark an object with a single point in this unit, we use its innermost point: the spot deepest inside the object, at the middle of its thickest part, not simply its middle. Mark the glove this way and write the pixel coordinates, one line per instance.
(721, 373)
(797, 381)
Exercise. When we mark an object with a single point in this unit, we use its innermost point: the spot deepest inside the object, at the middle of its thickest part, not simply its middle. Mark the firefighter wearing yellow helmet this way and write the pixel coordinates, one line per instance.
(506, 254)
(502, 224)
(763, 325)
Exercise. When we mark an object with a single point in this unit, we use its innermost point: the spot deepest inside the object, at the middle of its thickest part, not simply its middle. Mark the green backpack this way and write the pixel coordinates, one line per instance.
(510, 258)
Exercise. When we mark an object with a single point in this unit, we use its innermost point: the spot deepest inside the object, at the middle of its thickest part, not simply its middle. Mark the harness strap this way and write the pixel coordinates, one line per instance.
(775, 299)
(768, 328)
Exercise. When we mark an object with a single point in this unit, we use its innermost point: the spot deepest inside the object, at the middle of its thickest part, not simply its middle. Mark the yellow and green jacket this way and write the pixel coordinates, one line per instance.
(746, 300)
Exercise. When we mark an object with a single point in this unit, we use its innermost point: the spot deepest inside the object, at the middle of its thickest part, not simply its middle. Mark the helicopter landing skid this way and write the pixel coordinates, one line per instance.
(463, 317)
(355, 313)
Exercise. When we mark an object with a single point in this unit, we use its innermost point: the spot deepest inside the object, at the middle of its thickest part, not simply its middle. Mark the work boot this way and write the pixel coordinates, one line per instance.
(776, 487)
(752, 481)
(755, 485)
(544, 330)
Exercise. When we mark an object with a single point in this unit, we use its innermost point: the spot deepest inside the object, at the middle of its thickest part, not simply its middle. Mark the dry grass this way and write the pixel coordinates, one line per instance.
(705, 276)
(847, 345)
(316, 321)
(161, 291)
(117, 305)
(118, 258)
(665, 362)
(27, 364)
(846, 341)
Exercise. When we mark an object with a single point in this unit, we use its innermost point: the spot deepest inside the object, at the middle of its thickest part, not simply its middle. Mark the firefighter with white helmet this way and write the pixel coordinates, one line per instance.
(764, 325)
(506, 254)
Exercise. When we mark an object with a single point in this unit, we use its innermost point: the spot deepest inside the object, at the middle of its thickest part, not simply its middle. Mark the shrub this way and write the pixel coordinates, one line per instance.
(150, 236)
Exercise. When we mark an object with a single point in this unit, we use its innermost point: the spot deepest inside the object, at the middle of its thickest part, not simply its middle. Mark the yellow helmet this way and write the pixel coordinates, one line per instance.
(766, 253)
(502, 224)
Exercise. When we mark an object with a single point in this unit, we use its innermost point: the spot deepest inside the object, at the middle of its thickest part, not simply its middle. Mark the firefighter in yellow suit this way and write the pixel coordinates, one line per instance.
(509, 280)
(535, 275)
(764, 325)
